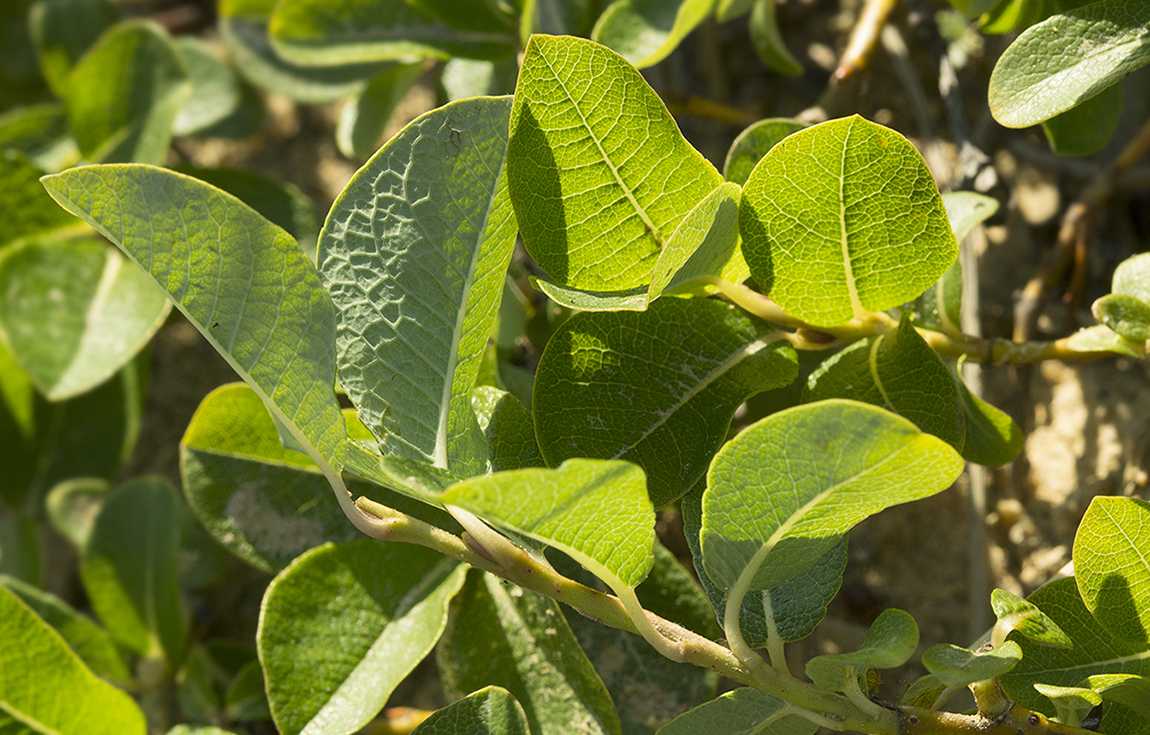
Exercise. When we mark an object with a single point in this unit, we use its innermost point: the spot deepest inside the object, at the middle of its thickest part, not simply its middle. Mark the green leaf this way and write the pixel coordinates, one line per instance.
(462, 78)
(489, 711)
(74, 312)
(129, 568)
(646, 379)
(1127, 689)
(1124, 314)
(1112, 565)
(634, 299)
(844, 218)
(966, 209)
(744, 711)
(784, 490)
(1086, 128)
(897, 371)
(726, 10)
(1015, 613)
(41, 132)
(242, 281)
(1067, 59)
(596, 511)
(39, 667)
(468, 15)
(1101, 338)
(509, 430)
(957, 667)
(244, 31)
(1005, 16)
(924, 692)
(126, 93)
(25, 209)
(216, 92)
(889, 643)
(73, 506)
(263, 503)
(754, 143)
(344, 624)
(245, 698)
(768, 40)
(1095, 652)
(505, 636)
(24, 415)
(21, 551)
(558, 17)
(1132, 277)
(575, 173)
(644, 32)
(62, 31)
(364, 118)
(326, 33)
(414, 254)
(797, 606)
(1071, 703)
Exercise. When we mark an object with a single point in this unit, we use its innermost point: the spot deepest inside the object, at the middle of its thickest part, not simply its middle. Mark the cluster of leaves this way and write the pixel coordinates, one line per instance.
(839, 226)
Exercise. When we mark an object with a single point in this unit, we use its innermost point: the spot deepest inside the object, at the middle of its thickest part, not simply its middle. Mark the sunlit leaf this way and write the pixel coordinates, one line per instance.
(890, 642)
(1112, 565)
(644, 32)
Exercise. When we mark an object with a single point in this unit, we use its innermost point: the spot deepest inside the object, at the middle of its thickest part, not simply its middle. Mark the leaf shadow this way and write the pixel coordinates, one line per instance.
(1116, 609)
(544, 226)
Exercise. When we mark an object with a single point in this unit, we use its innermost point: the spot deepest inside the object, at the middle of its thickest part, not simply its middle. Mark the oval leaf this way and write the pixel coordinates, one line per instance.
(744, 711)
(958, 667)
(414, 253)
(1124, 314)
(1015, 613)
(38, 667)
(596, 511)
(1067, 59)
(489, 711)
(1112, 565)
(844, 218)
(681, 368)
(782, 492)
(74, 312)
(344, 624)
(890, 642)
(754, 143)
(597, 201)
(644, 32)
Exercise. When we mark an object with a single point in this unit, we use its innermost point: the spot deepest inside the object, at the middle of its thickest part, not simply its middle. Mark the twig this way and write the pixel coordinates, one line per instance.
(702, 107)
(1074, 232)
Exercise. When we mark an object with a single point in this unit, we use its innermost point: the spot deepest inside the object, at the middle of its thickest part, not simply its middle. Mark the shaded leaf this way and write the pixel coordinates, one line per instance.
(62, 31)
(1127, 689)
(992, 437)
(1086, 128)
(344, 624)
(21, 552)
(958, 667)
(432, 201)
(26, 209)
(38, 666)
(1112, 567)
(41, 132)
(73, 506)
(462, 78)
(768, 40)
(129, 568)
(1071, 703)
(744, 711)
(1015, 613)
(245, 698)
(644, 32)
(24, 415)
(509, 430)
(1101, 338)
(754, 143)
(681, 368)
(215, 94)
(505, 636)
(1067, 59)
(575, 174)
(889, 643)
(844, 218)
(489, 711)
(364, 118)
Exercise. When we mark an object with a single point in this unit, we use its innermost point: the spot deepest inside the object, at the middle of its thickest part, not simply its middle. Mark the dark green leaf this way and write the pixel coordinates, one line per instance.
(958, 667)
(644, 32)
(62, 31)
(489, 711)
(1085, 129)
(889, 643)
(365, 117)
(1015, 613)
(743, 711)
(768, 40)
(754, 143)
(216, 92)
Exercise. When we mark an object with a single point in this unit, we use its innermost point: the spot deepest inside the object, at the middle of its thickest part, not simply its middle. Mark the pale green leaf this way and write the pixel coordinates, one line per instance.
(1005, 16)
(62, 31)
(634, 299)
(244, 31)
(889, 643)
(508, 637)
(1015, 613)
(844, 218)
(967, 209)
(646, 379)
(744, 711)
(1112, 565)
(74, 312)
(1127, 689)
(489, 711)
(414, 254)
(39, 667)
(241, 280)
(462, 78)
(897, 371)
(797, 606)
(644, 32)
(702, 244)
(413, 477)
(263, 503)
(73, 506)
(26, 210)
(365, 117)
(1085, 129)
(992, 437)
(1124, 314)
(1101, 338)
(126, 93)
(597, 201)
(754, 143)
(924, 692)
(1132, 277)
(782, 492)
(129, 568)
(344, 624)
(768, 40)
(339, 32)
(596, 511)
(215, 94)
(1071, 703)
(1067, 59)
(508, 428)
(41, 132)
(958, 667)
(1095, 652)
